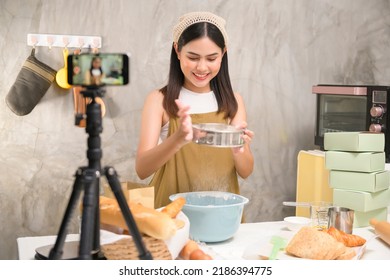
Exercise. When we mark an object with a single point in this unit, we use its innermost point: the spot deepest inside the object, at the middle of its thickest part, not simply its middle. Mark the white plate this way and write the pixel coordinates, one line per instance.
(263, 248)
(295, 223)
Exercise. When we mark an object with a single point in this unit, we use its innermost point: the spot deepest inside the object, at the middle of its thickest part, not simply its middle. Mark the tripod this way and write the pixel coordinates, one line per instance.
(87, 180)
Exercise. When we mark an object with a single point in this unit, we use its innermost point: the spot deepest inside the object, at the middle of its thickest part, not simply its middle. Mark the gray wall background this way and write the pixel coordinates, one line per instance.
(278, 50)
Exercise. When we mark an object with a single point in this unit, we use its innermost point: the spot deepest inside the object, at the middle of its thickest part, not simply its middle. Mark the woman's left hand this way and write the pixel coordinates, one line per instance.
(247, 137)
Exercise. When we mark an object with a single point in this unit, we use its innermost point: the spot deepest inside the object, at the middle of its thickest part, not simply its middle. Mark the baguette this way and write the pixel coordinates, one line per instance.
(149, 221)
(173, 208)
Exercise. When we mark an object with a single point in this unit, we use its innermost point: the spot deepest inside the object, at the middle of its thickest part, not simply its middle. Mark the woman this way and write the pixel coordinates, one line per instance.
(95, 74)
(198, 91)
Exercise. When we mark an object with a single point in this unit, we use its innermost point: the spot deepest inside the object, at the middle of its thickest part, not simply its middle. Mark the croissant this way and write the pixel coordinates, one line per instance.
(349, 240)
(173, 208)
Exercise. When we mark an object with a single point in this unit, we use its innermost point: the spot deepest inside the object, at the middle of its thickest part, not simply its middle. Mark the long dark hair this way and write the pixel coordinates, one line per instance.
(220, 84)
(92, 61)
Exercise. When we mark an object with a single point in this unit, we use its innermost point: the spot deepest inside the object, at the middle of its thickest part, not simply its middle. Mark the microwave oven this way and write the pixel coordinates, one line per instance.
(352, 108)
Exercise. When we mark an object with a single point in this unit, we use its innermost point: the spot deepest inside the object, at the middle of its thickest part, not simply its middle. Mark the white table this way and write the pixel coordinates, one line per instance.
(27, 245)
(251, 239)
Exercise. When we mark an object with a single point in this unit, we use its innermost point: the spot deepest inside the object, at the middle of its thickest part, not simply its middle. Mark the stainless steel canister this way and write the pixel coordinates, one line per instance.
(341, 218)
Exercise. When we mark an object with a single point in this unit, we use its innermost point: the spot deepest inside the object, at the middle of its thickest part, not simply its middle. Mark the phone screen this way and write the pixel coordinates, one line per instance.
(101, 69)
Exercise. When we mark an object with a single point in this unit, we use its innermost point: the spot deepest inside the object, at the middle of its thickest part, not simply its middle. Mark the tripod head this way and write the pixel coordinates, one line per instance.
(83, 97)
(94, 91)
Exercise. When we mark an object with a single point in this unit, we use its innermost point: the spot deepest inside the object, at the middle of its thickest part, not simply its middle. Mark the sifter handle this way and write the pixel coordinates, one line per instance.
(296, 204)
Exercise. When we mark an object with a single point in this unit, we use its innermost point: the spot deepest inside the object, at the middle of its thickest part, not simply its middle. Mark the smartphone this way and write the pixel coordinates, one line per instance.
(98, 69)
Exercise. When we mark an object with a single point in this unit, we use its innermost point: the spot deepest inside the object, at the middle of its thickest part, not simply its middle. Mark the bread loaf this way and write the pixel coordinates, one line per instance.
(310, 243)
(349, 254)
(149, 221)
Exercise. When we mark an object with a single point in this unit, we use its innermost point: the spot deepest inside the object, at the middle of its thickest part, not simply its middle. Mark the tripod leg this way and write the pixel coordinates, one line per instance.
(116, 188)
(88, 222)
(57, 250)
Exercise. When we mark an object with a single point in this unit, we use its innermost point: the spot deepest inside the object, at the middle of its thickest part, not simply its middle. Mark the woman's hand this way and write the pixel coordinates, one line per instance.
(247, 137)
(243, 158)
(185, 122)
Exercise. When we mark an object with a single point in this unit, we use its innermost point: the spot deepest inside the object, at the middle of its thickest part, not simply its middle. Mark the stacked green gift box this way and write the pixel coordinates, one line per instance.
(357, 174)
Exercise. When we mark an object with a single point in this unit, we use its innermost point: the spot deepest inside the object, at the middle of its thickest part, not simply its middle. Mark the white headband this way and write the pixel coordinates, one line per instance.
(191, 18)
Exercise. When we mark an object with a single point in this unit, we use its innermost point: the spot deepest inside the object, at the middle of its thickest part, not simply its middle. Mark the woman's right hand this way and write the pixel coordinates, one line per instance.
(185, 122)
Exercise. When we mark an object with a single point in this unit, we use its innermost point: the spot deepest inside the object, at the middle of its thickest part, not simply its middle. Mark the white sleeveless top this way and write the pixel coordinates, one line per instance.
(199, 102)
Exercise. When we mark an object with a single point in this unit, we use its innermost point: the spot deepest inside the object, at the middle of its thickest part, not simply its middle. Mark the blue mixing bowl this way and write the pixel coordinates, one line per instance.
(214, 216)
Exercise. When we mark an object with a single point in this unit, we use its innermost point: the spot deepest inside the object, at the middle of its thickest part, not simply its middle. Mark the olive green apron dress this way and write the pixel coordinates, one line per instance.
(195, 167)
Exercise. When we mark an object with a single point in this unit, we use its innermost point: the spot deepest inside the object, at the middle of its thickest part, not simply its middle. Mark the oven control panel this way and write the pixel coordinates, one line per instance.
(378, 111)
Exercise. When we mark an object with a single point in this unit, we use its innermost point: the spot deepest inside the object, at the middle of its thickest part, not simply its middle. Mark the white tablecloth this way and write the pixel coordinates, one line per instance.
(251, 240)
